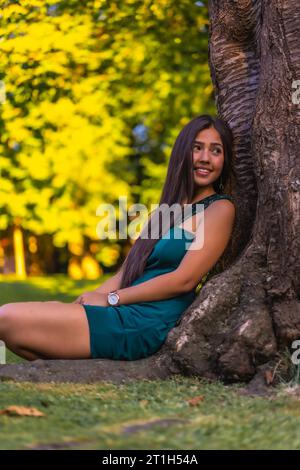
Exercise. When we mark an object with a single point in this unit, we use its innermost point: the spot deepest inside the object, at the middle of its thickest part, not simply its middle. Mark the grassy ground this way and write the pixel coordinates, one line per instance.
(142, 414)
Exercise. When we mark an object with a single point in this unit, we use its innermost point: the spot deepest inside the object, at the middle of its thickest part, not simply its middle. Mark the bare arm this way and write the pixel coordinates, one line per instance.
(113, 283)
(194, 265)
(205, 252)
(160, 287)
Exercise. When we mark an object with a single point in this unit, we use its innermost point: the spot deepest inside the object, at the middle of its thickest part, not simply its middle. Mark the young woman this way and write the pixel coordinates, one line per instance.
(129, 316)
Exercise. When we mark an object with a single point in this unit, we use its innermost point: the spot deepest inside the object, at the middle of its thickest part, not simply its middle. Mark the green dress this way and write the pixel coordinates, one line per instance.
(138, 330)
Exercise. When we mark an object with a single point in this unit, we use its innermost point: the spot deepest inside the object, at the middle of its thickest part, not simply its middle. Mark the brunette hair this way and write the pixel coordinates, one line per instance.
(179, 185)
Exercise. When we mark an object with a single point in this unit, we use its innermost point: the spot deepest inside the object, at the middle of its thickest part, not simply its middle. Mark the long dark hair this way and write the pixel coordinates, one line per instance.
(179, 185)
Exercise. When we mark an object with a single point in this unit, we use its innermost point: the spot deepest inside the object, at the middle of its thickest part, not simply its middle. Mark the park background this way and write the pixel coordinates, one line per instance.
(93, 96)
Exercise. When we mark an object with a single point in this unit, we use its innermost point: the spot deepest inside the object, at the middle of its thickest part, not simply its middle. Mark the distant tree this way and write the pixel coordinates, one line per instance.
(95, 94)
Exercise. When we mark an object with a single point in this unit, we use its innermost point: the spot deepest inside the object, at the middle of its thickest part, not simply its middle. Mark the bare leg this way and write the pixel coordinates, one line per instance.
(26, 354)
(53, 330)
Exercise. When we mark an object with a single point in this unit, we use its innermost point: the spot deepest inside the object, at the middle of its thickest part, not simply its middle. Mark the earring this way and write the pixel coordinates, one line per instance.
(221, 187)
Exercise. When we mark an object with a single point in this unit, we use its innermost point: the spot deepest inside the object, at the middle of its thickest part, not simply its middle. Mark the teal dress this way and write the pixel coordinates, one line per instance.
(138, 330)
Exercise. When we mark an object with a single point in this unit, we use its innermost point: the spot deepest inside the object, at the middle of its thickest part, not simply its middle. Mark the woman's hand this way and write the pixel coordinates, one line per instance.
(92, 298)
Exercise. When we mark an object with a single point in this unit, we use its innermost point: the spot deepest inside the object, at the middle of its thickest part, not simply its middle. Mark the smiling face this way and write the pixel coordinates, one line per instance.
(208, 159)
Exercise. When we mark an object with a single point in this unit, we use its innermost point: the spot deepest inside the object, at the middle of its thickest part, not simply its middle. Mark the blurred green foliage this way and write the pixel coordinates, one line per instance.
(96, 93)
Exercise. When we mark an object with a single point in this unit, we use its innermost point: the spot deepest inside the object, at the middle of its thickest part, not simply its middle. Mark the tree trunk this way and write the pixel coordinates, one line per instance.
(20, 267)
(250, 312)
(246, 316)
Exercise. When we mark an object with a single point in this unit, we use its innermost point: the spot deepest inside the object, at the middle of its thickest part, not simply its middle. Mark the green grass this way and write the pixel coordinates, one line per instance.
(108, 416)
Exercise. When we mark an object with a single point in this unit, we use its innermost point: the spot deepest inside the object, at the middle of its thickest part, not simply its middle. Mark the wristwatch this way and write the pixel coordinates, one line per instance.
(113, 298)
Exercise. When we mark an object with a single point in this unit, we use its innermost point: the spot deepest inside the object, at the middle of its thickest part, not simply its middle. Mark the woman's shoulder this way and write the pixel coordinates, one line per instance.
(215, 197)
(224, 196)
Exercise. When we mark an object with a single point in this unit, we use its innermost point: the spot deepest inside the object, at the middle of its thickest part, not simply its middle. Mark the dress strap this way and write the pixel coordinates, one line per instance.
(208, 200)
(194, 207)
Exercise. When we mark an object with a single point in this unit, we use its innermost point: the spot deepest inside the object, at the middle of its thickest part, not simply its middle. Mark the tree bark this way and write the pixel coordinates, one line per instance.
(248, 314)
(245, 317)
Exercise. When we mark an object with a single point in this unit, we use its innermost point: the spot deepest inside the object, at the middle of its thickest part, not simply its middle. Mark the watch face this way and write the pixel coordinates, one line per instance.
(113, 299)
